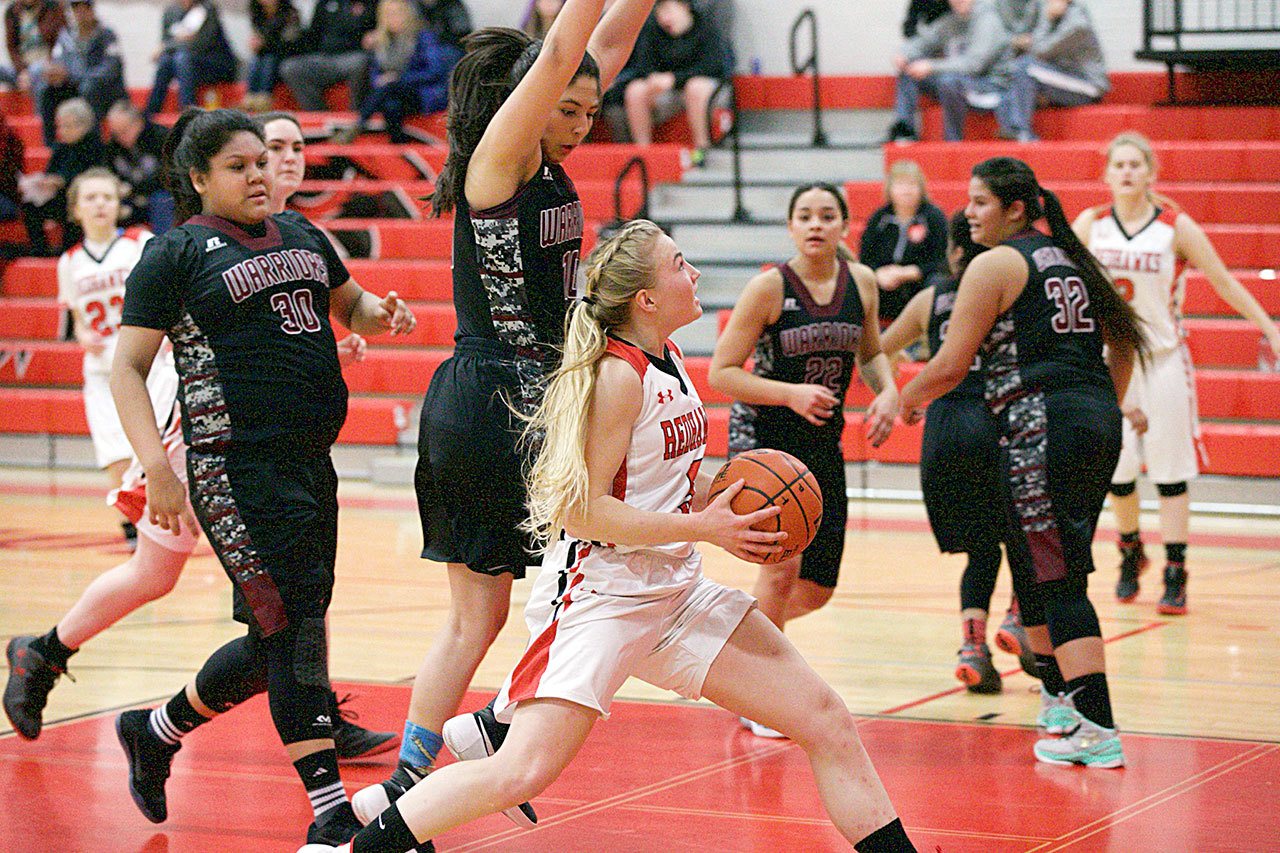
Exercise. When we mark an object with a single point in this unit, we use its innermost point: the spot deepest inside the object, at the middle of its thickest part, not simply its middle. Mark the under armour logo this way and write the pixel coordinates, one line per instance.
(666, 396)
(213, 243)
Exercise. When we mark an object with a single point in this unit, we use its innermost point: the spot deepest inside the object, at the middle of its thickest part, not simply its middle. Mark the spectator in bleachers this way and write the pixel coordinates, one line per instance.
(538, 18)
(77, 147)
(11, 156)
(277, 34)
(922, 12)
(339, 34)
(962, 60)
(133, 152)
(410, 68)
(1063, 65)
(679, 59)
(193, 50)
(86, 62)
(31, 29)
(448, 19)
(905, 241)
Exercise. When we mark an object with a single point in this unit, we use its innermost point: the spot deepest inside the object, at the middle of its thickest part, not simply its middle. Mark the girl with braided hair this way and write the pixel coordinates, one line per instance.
(640, 605)
(1039, 308)
(517, 108)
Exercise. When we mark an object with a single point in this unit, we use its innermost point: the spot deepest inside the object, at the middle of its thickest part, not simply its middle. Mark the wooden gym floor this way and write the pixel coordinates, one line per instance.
(1197, 698)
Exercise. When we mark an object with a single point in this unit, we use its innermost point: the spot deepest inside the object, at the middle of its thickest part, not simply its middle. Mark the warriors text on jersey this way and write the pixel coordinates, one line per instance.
(514, 268)
(91, 285)
(248, 315)
(810, 343)
(944, 300)
(1146, 270)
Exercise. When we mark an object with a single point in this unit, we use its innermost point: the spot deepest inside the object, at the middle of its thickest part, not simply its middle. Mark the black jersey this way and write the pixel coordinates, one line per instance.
(809, 344)
(249, 320)
(1049, 339)
(944, 300)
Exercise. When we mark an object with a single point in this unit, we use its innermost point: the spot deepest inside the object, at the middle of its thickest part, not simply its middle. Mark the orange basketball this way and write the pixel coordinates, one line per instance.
(772, 477)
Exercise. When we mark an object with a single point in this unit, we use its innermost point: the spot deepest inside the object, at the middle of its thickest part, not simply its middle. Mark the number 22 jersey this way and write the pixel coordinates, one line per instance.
(248, 314)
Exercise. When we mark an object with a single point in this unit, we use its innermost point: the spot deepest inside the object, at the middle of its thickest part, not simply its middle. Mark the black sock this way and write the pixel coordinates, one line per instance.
(319, 774)
(1134, 538)
(52, 649)
(1092, 698)
(1176, 552)
(388, 832)
(1050, 675)
(175, 718)
(890, 838)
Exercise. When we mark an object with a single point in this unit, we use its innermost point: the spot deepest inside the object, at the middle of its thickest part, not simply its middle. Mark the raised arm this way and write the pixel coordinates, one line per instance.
(614, 38)
(365, 314)
(909, 326)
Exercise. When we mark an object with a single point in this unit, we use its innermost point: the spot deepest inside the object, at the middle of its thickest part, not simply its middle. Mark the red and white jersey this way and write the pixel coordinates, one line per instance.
(668, 439)
(1147, 271)
(91, 285)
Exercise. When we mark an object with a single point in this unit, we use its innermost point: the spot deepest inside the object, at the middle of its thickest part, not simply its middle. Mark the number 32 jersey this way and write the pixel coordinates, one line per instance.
(248, 314)
(91, 286)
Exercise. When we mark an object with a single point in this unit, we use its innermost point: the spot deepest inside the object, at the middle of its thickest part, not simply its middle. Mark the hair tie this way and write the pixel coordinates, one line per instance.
(589, 299)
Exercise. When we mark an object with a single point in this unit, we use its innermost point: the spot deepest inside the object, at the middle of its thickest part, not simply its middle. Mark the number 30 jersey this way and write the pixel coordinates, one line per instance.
(1147, 271)
(91, 285)
(248, 314)
(809, 344)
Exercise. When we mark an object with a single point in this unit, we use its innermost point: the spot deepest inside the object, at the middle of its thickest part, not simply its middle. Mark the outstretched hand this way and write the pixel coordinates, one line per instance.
(393, 315)
(733, 532)
(881, 414)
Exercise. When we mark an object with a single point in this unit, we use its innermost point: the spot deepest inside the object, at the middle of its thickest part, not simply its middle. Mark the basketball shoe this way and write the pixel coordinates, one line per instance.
(1090, 744)
(1058, 714)
(975, 669)
(1011, 637)
(351, 740)
(478, 735)
(149, 760)
(1174, 600)
(31, 677)
(370, 802)
(1133, 562)
(760, 729)
(341, 827)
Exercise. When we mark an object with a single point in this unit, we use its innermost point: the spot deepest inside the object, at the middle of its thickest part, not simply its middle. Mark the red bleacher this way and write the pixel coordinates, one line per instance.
(1219, 163)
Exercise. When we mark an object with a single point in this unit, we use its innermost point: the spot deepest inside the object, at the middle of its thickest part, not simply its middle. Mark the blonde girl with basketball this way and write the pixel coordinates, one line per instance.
(640, 605)
(1146, 242)
(808, 322)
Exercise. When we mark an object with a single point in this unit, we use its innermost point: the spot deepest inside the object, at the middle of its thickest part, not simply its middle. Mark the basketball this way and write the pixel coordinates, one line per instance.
(773, 478)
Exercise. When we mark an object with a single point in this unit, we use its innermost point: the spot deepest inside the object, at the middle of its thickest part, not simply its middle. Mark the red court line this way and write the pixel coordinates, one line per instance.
(954, 690)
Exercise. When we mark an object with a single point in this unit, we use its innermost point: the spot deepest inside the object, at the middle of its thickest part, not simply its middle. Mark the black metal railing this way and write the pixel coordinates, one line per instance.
(810, 66)
(638, 165)
(732, 135)
(1176, 19)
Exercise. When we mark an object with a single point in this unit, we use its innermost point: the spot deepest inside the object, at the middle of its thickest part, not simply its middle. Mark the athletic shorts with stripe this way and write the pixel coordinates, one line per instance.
(585, 643)
(1165, 390)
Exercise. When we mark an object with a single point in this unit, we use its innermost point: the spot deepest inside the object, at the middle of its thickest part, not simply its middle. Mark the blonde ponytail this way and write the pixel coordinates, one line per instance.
(618, 268)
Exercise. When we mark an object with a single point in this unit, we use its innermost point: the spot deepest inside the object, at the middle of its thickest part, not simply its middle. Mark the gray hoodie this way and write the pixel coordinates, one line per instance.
(975, 46)
(1071, 45)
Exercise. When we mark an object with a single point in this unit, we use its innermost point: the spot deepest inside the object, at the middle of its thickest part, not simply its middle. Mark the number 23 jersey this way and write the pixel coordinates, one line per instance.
(92, 288)
(248, 314)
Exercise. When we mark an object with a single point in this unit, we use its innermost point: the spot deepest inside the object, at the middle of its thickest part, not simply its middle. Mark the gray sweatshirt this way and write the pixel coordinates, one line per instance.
(1071, 45)
(975, 46)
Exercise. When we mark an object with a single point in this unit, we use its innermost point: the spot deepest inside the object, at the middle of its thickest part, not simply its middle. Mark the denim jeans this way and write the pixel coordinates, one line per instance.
(263, 73)
(1034, 79)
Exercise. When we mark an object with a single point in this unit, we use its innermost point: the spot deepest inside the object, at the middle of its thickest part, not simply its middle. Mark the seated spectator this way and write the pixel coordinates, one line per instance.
(921, 12)
(133, 153)
(337, 37)
(1063, 65)
(905, 241)
(31, 29)
(961, 59)
(193, 50)
(277, 34)
(11, 156)
(76, 148)
(538, 18)
(679, 58)
(410, 70)
(86, 62)
(449, 19)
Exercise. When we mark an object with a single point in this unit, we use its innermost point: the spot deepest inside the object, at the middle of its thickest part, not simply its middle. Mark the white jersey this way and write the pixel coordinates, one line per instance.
(1146, 270)
(91, 285)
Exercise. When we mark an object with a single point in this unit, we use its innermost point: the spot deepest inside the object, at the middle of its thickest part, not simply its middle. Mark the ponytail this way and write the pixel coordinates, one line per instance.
(616, 270)
(193, 141)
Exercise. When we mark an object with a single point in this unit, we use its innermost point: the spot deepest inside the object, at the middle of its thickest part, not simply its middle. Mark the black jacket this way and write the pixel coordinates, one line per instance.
(923, 242)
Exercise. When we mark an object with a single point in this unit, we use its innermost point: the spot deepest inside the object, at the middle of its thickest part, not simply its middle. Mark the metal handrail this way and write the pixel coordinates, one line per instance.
(638, 164)
(740, 212)
(810, 65)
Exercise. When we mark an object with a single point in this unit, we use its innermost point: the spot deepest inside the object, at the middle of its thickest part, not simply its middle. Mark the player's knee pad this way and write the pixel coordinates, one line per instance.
(1071, 615)
(1123, 490)
(231, 675)
(298, 680)
(1171, 490)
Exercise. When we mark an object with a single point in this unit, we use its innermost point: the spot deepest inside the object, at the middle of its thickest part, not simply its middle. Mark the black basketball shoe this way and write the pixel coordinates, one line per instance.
(31, 677)
(351, 740)
(149, 760)
(477, 735)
